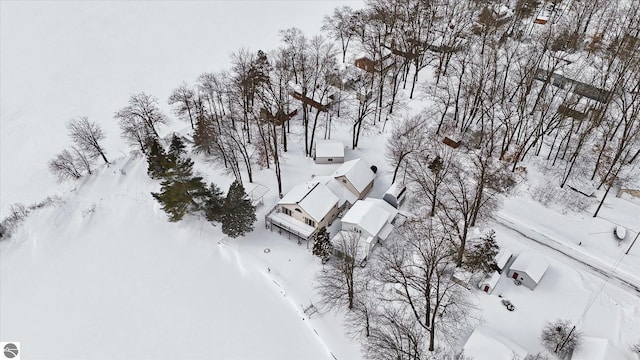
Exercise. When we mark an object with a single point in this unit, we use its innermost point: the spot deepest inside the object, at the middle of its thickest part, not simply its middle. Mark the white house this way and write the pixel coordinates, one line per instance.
(371, 218)
(329, 152)
(356, 176)
(487, 344)
(592, 348)
(304, 209)
(345, 195)
(489, 282)
(367, 222)
(528, 268)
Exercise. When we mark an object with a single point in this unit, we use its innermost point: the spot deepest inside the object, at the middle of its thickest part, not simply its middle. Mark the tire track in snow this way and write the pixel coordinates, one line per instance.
(548, 243)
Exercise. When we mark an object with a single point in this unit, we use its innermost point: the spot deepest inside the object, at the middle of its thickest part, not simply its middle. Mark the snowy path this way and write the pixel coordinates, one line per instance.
(562, 252)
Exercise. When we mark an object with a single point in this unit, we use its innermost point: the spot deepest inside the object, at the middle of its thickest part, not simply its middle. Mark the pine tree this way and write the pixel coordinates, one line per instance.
(481, 255)
(239, 215)
(157, 159)
(322, 246)
(177, 147)
(181, 192)
(214, 206)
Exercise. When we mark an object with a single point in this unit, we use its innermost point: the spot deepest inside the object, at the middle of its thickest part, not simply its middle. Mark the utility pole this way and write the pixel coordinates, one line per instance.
(633, 242)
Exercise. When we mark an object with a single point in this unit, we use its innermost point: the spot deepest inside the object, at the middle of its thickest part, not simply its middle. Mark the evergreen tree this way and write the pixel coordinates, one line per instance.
(214, 206)
(181, 192)
(177, 147)
(239, 215)
(204, 136)
(481, 255)
(157, 159)
(322, 246)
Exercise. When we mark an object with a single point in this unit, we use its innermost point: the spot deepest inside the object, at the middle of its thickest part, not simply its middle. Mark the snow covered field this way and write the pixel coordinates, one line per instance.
(64, 59)
(104, 272)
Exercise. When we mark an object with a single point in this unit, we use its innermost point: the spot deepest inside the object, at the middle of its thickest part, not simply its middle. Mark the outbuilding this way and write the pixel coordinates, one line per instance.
(329, 152)
(489, 282)
(395, 194)
(528, 269)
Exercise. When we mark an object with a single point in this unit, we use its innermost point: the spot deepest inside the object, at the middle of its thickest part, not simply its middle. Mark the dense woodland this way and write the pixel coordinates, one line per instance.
(496, 88)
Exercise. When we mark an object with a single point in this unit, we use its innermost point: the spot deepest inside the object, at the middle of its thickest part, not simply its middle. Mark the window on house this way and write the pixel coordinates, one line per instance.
(286, 211)
(309, 222)
(344, 181)
(298, 210)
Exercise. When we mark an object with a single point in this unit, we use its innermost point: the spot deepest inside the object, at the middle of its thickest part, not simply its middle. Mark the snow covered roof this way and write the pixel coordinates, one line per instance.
(491, 280)
(384, 206)
(486, 344)
(503, 257)
(357, 172)
(329, 148)
(313, 197)
(593, 348)
(344, 194)
(534, 265)
(368, 216)
(395, 189)
(293, 224)
(385, 231)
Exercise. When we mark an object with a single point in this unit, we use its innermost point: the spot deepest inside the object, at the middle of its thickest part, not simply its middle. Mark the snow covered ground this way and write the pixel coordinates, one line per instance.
(104, 272)
(64, 59)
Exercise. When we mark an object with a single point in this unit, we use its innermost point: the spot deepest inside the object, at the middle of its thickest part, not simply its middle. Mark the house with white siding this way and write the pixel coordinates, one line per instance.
(304, 210)
(371, 221)
(356, 176)
(528, 269)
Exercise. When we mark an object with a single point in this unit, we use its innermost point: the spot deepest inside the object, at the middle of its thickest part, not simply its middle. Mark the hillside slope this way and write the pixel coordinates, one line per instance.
(104, 275)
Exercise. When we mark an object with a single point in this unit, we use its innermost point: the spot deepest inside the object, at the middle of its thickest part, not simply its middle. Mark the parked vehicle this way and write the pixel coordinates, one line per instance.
(508, 305)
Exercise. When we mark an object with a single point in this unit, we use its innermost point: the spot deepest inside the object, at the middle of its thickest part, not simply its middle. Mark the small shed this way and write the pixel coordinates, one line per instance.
(528, 268)
(450, 142)
(502, 259)
(329, 152)
(395, 195)
(489, 282)
(366, 64)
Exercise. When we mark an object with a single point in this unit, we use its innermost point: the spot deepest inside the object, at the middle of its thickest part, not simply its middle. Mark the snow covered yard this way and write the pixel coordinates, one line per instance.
(105, 272)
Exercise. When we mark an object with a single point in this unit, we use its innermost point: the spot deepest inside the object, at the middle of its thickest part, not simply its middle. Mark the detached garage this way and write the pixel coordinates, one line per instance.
(329, 152)
(489, 282)
(528, 268)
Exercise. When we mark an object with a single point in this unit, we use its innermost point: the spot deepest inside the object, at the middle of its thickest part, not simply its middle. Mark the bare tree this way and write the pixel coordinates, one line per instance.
(336, 283)
(395, 335)
(183, 100)
(142, 113)
(418, 268)
(340, 26)
(82, 159)
(64, 166)
(560, 338)
(407, 138)
(87, 136)
(133, 132)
